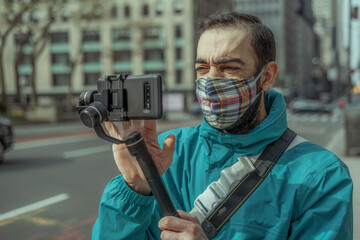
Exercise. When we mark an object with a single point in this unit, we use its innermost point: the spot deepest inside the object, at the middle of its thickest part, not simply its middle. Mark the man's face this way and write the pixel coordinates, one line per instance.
(228, 53)
(225, 53)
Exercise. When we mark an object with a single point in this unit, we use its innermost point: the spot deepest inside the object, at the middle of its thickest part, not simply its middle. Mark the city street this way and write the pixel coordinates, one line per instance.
(53, 178)
(108, 60)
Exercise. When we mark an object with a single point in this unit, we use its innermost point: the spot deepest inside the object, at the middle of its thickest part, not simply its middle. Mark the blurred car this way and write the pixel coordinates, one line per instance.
(308, 105)
(195, 109)
(6, 137)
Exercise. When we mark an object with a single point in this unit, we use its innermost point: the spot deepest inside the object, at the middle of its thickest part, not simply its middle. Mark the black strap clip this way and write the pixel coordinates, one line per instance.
(209, 229)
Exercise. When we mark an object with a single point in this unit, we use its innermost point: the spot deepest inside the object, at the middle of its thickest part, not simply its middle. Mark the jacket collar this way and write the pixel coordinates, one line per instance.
(257, 139)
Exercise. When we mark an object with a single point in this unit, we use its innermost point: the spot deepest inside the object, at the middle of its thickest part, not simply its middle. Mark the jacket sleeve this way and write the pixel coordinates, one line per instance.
(326, 206)
(125, 214)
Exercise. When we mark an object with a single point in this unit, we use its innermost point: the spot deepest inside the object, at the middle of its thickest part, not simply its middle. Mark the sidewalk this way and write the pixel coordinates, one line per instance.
(353, 162)
(34, 131)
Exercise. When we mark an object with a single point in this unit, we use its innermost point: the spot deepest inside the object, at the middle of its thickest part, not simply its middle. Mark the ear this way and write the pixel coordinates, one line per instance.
(269, 75)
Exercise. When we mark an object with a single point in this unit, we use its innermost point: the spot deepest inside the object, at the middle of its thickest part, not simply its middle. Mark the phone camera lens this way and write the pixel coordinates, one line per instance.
(147, 97)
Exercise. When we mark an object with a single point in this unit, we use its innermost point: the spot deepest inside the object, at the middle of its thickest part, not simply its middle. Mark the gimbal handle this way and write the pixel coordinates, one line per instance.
(137, 148)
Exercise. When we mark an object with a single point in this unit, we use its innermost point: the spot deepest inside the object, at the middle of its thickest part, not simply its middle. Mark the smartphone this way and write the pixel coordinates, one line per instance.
(144, 96)
(141, 98)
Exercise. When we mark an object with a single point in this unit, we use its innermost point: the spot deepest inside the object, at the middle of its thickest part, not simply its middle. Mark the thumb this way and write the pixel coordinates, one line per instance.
(168, 150)
(169, 145)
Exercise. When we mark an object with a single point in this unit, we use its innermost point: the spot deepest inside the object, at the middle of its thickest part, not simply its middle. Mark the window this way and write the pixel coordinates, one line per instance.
(65, 15)
(59, 37)
(154, 55)
(127, 11)
(25, 17)
(178, 6)
(122, 56)
(159, 8)
(120, 34)
(35, 16)
(60, 79)
(60, 58)
(178, 76)
(98, 11)
(91, 57)
(114, 12)
(145, 10)
(22, 38)
(162, 73)
(178, 53)
(24, 80)
(85, 11)
(178, 31)
(152, 33)
(91, 78)
(91, 36)
(26, 59)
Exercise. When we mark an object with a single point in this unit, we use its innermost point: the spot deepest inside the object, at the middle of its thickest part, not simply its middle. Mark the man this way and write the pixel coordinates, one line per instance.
(307, 194)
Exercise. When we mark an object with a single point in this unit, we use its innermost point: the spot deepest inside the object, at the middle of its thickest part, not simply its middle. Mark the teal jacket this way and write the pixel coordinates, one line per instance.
(307, 195)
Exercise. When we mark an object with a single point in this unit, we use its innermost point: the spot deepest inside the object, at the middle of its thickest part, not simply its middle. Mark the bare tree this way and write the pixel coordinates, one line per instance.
(75, 58)
(39, 43)
(93, 11)
(12, 13)
(21, 40)
(37, 34)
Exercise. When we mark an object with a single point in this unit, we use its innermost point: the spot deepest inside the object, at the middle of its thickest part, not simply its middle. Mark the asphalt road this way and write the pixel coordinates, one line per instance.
(51, 184)
(55, 185)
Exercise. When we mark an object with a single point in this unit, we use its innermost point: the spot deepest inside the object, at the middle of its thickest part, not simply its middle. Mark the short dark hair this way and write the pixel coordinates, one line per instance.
(262, 38)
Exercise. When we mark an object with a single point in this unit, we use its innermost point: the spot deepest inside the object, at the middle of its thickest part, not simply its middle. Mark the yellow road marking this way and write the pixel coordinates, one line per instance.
(21, 217)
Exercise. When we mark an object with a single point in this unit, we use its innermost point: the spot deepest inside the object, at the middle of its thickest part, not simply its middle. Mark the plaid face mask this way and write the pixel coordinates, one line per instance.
(225, 100)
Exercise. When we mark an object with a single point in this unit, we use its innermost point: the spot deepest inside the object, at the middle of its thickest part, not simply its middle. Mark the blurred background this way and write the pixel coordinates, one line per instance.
(54, 169)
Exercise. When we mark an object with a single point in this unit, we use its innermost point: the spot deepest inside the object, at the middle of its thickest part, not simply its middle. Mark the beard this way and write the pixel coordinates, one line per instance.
(248, 121)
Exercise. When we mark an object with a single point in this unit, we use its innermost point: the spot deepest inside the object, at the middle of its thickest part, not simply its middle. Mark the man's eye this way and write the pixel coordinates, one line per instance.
(230, 68)
(200, 69)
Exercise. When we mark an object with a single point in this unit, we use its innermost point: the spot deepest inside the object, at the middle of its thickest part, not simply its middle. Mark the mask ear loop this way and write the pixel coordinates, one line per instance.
(257, 78)
(260, 73)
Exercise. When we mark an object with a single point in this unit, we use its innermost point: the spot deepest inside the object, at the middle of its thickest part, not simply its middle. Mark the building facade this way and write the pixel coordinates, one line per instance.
(329, 26)
(136, 37)
(292, 25)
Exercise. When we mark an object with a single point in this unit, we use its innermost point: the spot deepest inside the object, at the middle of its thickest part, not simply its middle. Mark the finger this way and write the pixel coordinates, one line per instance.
(136, 123)
(189, 217)
(126, 124)
(112, 129)
(168, 235)
(168, 223)
(150, 125)
(181, 228)
(169, 145)
(109, 126)
(168, 151)
(175, 224)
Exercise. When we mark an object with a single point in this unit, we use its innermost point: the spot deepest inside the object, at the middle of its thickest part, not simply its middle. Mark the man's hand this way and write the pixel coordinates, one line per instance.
(128, 164)
(185, 227)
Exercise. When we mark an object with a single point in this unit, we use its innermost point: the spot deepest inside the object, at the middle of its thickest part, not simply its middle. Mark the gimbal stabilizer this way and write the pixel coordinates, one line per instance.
(93, 110)
(137, 148)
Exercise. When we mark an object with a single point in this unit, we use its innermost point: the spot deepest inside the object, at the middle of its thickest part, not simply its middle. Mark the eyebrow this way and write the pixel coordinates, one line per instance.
(222, 60)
